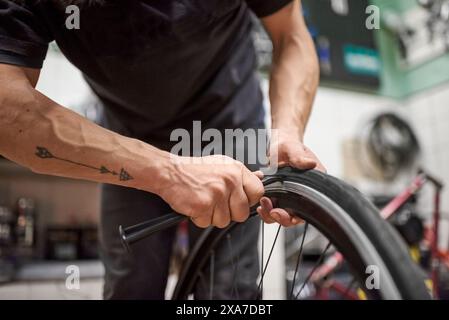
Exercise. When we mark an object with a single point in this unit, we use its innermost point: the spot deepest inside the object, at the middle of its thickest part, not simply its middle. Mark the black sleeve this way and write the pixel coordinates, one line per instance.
(23, 36)
(263, 8)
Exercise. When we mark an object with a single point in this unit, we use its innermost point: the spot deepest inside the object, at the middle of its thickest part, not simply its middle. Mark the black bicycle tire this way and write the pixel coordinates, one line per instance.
(407, 276)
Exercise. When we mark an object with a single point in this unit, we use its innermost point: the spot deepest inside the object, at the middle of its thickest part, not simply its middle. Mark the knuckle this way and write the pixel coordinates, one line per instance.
(205, 218)
(234, 178)
(241, 215)
(223, 159)
(218, 189)
(203, 204)
(259, 190)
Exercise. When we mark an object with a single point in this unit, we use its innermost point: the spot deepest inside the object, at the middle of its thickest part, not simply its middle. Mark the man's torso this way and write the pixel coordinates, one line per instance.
(159, 65)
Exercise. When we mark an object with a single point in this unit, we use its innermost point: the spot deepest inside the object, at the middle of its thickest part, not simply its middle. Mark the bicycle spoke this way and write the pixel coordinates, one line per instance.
(259, 288)
(242, 232)
(212, 273)
(298, 261)
(317, 264)
(234, 267)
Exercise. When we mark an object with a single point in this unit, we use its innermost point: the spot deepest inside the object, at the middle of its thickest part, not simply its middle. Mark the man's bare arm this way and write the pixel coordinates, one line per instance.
(293, 85)
(38, 133)
(295, 72)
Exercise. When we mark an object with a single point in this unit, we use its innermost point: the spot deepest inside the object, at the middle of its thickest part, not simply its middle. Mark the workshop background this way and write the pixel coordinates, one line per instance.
(392, 70)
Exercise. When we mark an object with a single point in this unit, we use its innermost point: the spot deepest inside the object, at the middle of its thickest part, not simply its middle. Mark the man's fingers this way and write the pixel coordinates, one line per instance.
(320, 167)
(259, 174)
(252, 186)
(264, 210)
(302, 162)
(281, 216)
(221, 216)
(284, 218)
(265, 216)
(269, 214)
(296, 155)
(239, 206)
(202, 221)
(296, 220)
(266, 203)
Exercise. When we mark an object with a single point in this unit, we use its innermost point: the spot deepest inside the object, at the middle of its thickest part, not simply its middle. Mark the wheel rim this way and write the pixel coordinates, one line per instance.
(350, 240)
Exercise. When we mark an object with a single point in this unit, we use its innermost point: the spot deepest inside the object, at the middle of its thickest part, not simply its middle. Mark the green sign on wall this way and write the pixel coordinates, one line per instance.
(426, 63)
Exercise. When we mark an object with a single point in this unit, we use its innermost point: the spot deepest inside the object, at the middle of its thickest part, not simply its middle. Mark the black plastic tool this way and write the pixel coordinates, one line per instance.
(137, 232)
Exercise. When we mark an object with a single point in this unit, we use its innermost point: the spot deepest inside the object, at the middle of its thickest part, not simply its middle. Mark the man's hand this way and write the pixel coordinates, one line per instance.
(213, 190)
(292, 152)
(293, 83)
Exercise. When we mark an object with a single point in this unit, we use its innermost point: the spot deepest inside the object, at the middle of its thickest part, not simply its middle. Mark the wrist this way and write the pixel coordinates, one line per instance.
(288, 129)
(157, 172)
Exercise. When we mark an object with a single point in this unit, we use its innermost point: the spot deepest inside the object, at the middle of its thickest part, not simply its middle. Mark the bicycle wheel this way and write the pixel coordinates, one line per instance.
(351, 224)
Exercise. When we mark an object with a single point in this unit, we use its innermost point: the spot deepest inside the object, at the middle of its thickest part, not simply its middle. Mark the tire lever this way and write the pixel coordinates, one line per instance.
(132, 234)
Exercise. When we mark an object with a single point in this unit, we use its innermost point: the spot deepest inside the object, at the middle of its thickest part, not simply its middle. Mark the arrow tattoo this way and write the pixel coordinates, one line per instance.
(123, 175)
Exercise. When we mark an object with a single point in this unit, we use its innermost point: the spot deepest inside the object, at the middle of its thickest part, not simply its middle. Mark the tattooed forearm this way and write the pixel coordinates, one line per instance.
(123, 175)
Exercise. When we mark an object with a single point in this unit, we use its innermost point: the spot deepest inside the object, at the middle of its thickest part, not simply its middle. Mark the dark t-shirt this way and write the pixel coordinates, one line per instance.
(156, 65)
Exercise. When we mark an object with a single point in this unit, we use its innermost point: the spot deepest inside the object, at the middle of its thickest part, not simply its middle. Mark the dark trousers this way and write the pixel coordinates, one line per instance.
(143, 273)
